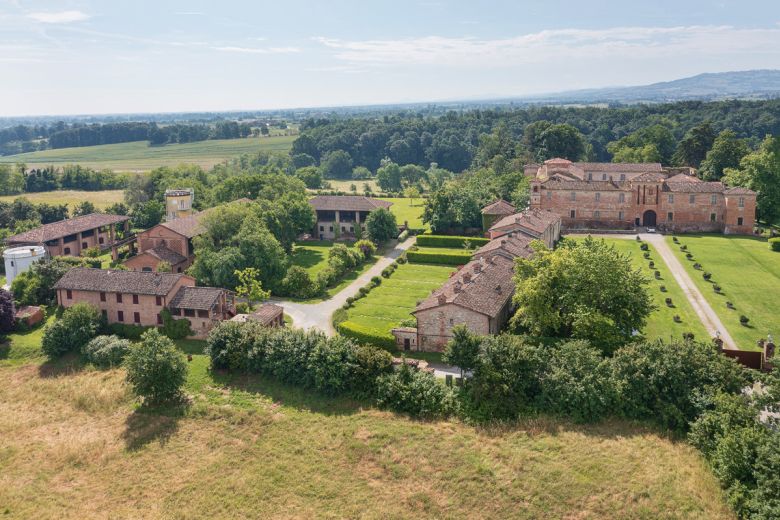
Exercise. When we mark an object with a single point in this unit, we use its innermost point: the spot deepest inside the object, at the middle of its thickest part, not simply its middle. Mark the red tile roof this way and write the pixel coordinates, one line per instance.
(536, 220)
(198, 298)
(512, 245)
(499, 207)
(347, 203)
(694, 187)
(738, 190)
(65, 227)
(107, 280)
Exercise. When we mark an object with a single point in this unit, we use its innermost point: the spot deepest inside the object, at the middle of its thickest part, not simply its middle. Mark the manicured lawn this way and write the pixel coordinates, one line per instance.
(661, 322)
(139, 156)
(749, 275)
(392, 302)
(404, 210)
(446, 250)
(101, 199)
(313, 255)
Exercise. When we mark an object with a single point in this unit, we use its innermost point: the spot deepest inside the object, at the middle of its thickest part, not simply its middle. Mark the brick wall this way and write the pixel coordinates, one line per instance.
(161, 235)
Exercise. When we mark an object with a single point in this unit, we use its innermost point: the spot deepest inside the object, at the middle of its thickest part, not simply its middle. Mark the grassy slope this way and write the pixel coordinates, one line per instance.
(404, 210)
(661, 323)
(75, 445)
(749, 274)
(101, 199)
(390, 303)
(139, 156)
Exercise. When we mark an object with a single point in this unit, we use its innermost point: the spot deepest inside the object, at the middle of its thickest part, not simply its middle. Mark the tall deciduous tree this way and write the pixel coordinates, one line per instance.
(693, 147)
(463, 349)
(381, 225)
(760, 172)
(727, 151)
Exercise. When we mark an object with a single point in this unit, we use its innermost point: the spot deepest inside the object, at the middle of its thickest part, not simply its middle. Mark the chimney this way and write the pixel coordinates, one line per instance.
(458, 286)
(478, 267)
(467, 277)
(498, 289)
(442, 299)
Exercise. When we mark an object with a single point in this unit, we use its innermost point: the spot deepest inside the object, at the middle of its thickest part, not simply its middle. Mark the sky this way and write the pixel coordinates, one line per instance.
(126, 56)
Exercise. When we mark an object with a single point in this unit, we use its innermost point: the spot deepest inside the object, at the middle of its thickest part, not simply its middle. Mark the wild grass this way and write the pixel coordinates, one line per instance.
(749, 275)
(408, 210)
(101, 199)
(139, 156)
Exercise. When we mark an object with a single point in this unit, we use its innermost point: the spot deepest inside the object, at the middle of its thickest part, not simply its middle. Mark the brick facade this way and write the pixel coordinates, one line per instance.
(161, 236)
(616, 196)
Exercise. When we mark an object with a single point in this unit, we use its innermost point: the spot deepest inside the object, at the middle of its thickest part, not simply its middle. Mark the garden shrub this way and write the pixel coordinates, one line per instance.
(299, 284)
(744, 320)
(363, 334)
(340, 316)
(78, 324)
(156, 369)
(126, 330)
(173, 328)
(106, 351)
(416, 393)
(774, 244)
(404, 235)
(417, 257)
(449, 241)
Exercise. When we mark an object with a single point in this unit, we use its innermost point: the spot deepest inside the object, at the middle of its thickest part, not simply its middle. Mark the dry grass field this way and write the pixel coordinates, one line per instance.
(101, 199)
(75, 445)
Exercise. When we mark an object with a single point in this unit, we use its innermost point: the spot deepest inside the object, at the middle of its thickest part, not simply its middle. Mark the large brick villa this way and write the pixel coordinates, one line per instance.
(627, 195)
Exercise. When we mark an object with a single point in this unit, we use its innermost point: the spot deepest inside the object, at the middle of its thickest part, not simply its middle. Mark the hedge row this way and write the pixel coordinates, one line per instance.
(774, 244)
(417, 257)
(366, 335)
(449, 241)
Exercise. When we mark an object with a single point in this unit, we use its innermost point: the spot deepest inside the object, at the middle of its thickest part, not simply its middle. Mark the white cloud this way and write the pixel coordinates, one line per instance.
(58, 16)
(564, 44)
(257, 50)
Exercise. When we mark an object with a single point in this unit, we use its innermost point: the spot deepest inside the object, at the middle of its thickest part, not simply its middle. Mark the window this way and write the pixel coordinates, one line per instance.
(670, 216)
(590, 176)
(713, 199)
(189, 312)
(159, 319)
(119, 297)
(573, 196)
(102, 297)
(671, 198)
(175, 312)
(573, 213)
(69, 294)
(331, 228)
(622, 176)
(178, 269)
(84, 245)
(713, 217)
(596, 214)
(740, 221)
(146, 269)
(598, 196)
(692, 199)
(100, 240)
(104, 313)
(203, 313)
(603, 176)
(351, 229)
(621, 215)
(158, 300)
(322, 228)
(67, 251)
(536, 188)
(742, 202)
(137, 317)
(549, 194)
(622, 197)
(120, 316)
(135, 299)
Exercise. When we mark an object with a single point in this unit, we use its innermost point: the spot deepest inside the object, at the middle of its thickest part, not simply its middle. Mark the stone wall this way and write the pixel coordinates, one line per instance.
(434, 326)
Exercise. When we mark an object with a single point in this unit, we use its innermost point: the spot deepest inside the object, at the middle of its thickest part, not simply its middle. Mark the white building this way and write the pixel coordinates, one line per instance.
(19, 259)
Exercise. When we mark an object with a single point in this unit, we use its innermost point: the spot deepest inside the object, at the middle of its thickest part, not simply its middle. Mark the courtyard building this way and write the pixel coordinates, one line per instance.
(623, 196)
(71, 236)
(341, 216)
(138, 297)
(540, 224)
(496, 211)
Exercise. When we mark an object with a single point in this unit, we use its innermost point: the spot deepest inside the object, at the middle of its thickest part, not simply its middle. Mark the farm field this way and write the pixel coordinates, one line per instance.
(389, 304)
(101, 199)
(749, 274)
(76, 445)
(661, 322)
(139, 156)
(404, 210)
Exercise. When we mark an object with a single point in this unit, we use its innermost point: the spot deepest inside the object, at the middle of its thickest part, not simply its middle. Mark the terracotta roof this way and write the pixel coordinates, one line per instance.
(164, 254)
(347, 203)
(482, 286)
(649, 177)
(198, 298)
(499, 207)
(107, 280)
(694, 187)
(536, 220)
(189, 226)
(574, 185)
(682, 177)
(738, 190)
(620, 167)
(66, 227)
(267, 313)
(512, 245)
(179, 193)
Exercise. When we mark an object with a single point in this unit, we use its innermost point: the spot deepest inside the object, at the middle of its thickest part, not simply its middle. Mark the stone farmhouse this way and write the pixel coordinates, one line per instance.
(629, 195)
(71, 236)
(138, 297)
(539, 224)
(479, 294)
(339, 216)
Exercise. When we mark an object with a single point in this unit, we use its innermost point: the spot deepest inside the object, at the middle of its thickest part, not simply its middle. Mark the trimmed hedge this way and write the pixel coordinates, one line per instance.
(449, 241)
(774, 244)
(367, 335)
(417, 257)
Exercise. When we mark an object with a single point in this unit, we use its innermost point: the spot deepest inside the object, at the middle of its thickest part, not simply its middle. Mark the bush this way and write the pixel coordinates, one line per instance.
(744, 320)
(706, 275)
(774, 244)
(106, 351)
(404, 235)
(128, 331)
(78, 324)
(417, 257)
(173, 328)
(366, 247)
(242, 308)
(449, 241)
(368, 335)
(376, 280)
(156, 369)
(644, 247)
(414, 392)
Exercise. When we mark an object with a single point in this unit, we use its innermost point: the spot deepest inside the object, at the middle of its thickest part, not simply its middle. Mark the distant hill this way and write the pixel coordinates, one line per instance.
(748, 84)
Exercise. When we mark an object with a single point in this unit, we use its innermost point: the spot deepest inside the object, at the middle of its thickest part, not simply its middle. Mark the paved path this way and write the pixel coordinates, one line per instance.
(706, 314)
(317, 315)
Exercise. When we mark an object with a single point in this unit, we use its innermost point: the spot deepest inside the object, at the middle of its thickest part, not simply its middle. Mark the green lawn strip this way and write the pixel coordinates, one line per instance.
(749, 276)
(405, 211)
(21, 348)
(446, 250)
(313, 255)
(660, 323)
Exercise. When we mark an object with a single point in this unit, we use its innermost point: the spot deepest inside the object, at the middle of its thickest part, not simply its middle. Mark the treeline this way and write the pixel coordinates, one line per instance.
(18, 179)
(453, 139)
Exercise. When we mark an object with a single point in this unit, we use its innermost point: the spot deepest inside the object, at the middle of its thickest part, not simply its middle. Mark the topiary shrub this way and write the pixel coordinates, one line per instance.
(668, 302)
(677, 318)
(697, 266)
(706, 275)
(414, 392)
(106, 351)
(646, 255)
(644, 247)
(774, 244)
(689, 256)
(663, 288)
(716, 288)
(376, 280)
(730, 305)
(744, 320)
(651, 265)
(688, 336)
(156, 369)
